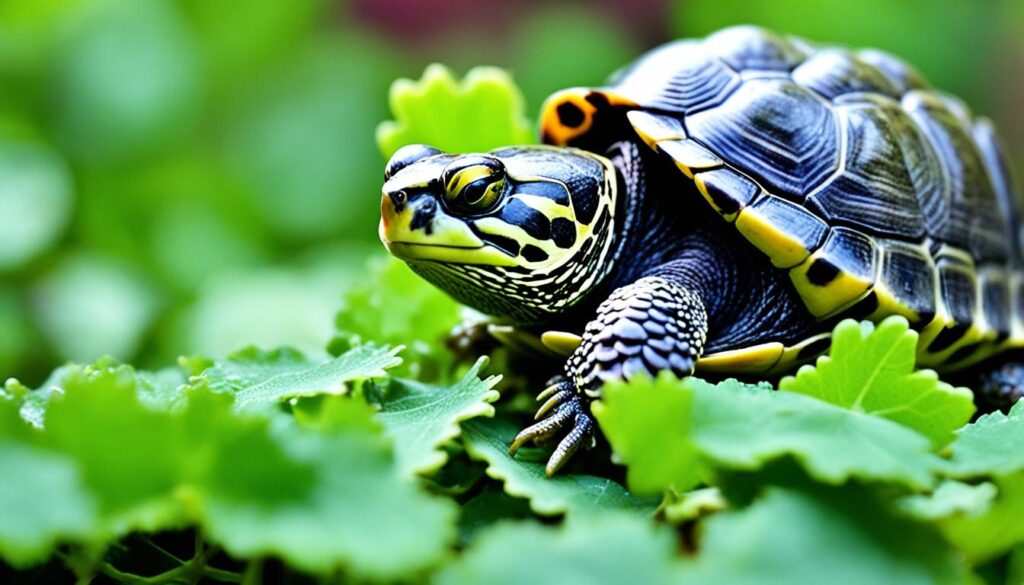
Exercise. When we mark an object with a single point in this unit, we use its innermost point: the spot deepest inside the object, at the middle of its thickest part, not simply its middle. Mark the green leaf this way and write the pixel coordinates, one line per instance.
(489, 507)
(991, 445)
(42, 498)
(394, 306)
(483, 112)
(693, 504)
(951, 498)
(33, 402)
(163, 389)
(740, 427)
(598, 548)
(488, 440)
(983, 537)
(871, 369)
(421, 417)
(649, 425)
(42, 502)
(259, 378)
(130, 457)
(821, 536)
(320, 499)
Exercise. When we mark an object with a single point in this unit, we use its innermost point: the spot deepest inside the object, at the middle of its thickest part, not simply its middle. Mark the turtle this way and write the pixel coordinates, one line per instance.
(717, 207)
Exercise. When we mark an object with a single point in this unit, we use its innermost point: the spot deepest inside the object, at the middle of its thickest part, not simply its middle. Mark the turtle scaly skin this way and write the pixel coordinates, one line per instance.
(718, 207)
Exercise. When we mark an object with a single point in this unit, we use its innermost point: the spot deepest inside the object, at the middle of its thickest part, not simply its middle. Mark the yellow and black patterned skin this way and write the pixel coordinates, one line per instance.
(876, 193)
(717, 208)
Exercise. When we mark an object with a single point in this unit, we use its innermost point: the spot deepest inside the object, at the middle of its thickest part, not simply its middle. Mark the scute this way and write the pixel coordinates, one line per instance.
(839, 274)
(785, 231)
(996, 300)
(985, 136)
(973, 208)
(726, 190)
(875, 191)
(959, 289)
(749, 47)
(906, 284)
(836, 72)
(678, 77)
(903, 76)
(776, 131)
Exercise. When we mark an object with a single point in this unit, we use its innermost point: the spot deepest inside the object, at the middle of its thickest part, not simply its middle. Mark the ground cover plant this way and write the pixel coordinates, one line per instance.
(385, 459)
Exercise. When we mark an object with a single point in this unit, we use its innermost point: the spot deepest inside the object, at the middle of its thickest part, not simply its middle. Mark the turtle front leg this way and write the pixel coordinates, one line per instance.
(650, 325)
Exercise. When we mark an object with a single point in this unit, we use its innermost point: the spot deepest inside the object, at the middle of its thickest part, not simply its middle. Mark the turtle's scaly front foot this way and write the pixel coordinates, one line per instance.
(569, 409)
(650, 325)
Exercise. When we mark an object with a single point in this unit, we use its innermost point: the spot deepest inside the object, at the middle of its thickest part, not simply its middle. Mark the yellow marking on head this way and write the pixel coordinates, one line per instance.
(450, 239)
(498, 227)
(756, 359)
(548, 207)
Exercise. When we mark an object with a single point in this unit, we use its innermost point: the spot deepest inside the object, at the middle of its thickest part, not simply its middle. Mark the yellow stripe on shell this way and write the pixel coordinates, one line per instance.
(791, 356)
(784, 250)
(689, 156)
(755, 359)
(1016, 339)
(929, 332)
(654, 128)
(888, 305)
(831, 298)
(699, 181)
(974, 335)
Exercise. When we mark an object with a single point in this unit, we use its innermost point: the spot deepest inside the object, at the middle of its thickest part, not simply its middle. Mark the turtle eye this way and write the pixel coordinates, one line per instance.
(474, 180)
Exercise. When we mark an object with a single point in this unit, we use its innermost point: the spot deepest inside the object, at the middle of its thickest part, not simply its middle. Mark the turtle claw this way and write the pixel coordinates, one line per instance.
(569, 411)
(556, 394)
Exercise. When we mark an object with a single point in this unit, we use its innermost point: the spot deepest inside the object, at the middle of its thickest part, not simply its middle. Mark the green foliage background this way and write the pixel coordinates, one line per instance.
(202, 179)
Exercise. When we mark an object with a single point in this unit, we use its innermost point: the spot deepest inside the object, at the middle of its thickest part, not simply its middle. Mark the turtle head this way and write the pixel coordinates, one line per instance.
(520, 232)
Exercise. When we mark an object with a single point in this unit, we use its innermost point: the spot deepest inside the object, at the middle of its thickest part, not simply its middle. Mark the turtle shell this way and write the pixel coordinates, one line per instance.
(878, 194)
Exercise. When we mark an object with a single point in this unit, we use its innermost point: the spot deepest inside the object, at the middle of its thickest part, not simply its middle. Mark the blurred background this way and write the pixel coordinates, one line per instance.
(190, 176)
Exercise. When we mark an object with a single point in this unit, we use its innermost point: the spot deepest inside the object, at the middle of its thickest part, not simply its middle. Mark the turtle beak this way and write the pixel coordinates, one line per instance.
(420, 230)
